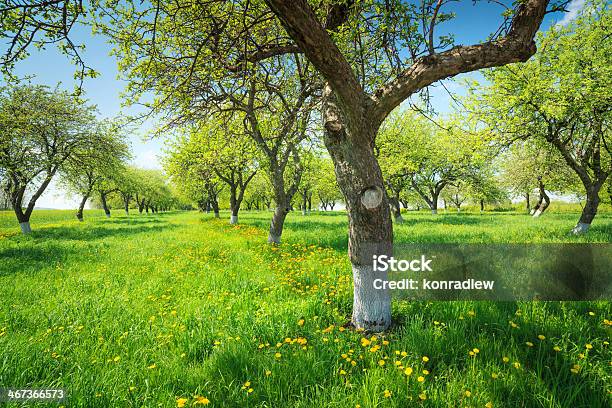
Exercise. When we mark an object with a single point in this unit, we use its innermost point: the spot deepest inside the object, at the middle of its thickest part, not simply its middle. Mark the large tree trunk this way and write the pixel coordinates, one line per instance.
(588, 212)
(23, 219)
(79, 213)
(433, 205)
(126, 204)
(370, 229)
(395, 204)
(543, 201)
(527, 203)
(482, 206)
(105, 205)
(278, 220)
(234, 206)
(215, 206)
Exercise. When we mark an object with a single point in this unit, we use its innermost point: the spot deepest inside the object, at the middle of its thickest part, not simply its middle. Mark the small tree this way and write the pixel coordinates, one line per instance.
(90, 165)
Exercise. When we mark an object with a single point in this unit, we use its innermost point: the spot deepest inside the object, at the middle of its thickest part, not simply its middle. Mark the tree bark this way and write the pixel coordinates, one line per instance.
(370, 229)
(543, 201)
(79, 213)
(395, 205)
(105, 205)
(278, 221)
(527, 203)
(588, 212)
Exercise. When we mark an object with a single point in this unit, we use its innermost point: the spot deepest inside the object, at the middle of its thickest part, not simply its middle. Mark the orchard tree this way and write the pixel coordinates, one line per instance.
(40, 130)
(371, 57)
(562, 98)
(398, 162)
(326, 188)
(193, 176)
(227, 151)
(91, 164)
(484, 187)
(259, 194)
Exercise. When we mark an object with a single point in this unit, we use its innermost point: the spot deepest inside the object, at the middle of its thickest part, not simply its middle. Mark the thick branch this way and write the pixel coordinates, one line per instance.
(516, 46)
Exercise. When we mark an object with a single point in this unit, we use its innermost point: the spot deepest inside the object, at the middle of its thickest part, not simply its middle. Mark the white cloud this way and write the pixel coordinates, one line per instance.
(573, 8)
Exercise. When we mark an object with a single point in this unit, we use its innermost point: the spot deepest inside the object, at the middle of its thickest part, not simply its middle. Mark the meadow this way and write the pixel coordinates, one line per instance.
(179, 309)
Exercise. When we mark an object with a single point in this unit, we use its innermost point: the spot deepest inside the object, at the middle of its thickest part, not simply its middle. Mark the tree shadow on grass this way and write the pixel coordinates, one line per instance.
(92, 233)
(29, 259)
(52, 246)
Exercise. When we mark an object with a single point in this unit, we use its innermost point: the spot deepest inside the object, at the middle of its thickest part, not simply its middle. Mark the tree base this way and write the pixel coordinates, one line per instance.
(399, 219)
(434, 211)
(371, 306)
(233, 219)
(537, 213)
(25, 227)
(580, 228)
(107, 215)
(274, 239)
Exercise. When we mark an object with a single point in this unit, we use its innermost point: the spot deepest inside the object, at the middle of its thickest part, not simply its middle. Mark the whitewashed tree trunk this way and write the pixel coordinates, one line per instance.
(434, 211)
(581, 228)
(25, 227)
(371, 307)
(233, 219)
(537, 213)
(399, 219)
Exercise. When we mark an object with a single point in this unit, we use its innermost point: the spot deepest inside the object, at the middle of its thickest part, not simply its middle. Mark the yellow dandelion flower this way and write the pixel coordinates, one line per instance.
(589, 346)
(300, 322)
(541, 337)
(268, 373)
(365, 342)
(426, 372)
(199, 400)
(421, 378)
(387, 393)
(342, 372)
(557, 348)
(152, 366)
(489, 405)
(116, 359)
(505, 359)
(591, 313)
(475, 350)
(180, 402)
(517, 364)
(385, 343)
(425, 359)
(529, 344)
(381, 362)
(422, 396)
(494, 375)
(278, 355)
(468, 393)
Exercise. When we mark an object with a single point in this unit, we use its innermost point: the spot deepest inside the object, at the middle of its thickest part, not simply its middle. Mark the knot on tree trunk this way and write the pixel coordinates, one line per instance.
(372, 197)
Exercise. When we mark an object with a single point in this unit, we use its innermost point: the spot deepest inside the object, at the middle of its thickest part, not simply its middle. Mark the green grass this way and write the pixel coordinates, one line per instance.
(142, 311)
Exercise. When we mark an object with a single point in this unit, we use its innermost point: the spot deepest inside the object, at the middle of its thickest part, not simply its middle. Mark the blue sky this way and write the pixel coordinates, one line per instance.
(472, 24)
